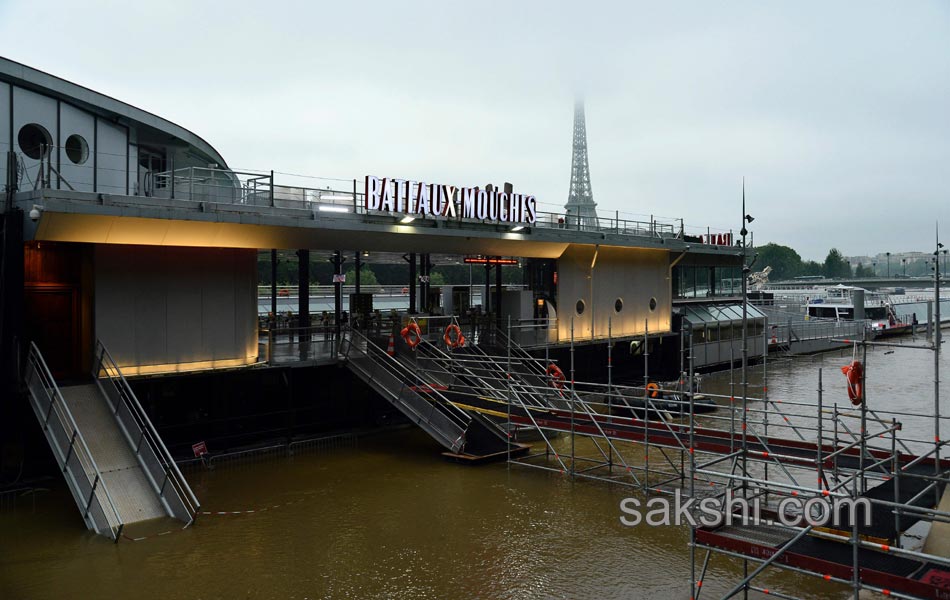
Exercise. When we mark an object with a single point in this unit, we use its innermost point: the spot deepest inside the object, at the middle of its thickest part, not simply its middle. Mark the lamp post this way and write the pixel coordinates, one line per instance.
(746, 269)
(903, 267)
(874, 268)
(888, 254)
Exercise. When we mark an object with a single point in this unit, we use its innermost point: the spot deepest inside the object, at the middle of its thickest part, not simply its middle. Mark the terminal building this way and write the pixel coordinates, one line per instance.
(130, 246)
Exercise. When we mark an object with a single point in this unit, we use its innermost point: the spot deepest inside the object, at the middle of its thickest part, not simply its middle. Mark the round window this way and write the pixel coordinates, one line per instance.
(34, 141)
(77, 150)
(579, 307)
(652, 304)
(618, 305)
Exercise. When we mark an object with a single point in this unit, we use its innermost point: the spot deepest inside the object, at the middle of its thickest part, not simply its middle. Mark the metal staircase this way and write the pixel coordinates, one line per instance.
(422, 398)
(115, 464)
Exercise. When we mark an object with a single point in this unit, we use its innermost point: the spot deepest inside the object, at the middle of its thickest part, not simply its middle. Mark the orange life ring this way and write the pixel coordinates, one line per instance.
(654, 390)
(554, 372)
(855, 374)
(412, 334)
(453, 342)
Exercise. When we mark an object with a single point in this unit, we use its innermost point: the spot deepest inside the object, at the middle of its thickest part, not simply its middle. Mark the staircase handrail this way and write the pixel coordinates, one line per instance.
(399, 369)
(77, 444)
(404, 369)
(105, 363)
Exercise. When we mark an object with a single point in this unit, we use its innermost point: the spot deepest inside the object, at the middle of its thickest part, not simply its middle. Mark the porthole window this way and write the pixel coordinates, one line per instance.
(652, 304)
(618, 305)
(579, 307)
(34, 141)
(77, 150)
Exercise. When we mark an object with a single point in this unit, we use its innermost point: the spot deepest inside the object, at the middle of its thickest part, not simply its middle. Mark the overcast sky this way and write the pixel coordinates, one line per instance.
(836, 113)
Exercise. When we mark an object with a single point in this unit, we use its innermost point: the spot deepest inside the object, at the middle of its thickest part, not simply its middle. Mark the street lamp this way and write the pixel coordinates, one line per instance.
(888, 264)
(874, 268)
(746, 268)
(903, 267)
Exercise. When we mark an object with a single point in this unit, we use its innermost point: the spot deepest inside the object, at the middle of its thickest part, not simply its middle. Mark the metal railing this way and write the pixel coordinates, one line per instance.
(156, 461)
(221, 186)
(784, 333)
(69, 447)
(296, 344)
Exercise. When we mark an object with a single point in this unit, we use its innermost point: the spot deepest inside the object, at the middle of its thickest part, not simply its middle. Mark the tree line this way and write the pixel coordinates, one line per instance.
(786, 263)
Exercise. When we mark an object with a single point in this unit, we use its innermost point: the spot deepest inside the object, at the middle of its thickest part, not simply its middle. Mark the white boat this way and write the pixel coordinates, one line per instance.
(838, 304)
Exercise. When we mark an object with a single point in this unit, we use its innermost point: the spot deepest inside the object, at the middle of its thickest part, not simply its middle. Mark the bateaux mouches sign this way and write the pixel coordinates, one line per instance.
(434, 201)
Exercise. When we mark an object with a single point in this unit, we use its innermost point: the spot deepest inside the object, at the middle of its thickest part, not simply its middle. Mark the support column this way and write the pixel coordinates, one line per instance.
(424, 282)
(338, 292)
(412, 283)
(429, 306)
(498, 296)
(359, 265)
(486, 305)
(303, 288)
(273, 288)
(303, 301)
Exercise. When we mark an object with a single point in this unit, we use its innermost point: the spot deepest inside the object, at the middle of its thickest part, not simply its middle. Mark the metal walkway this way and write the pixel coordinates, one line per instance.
(121, 473)
(116, 466)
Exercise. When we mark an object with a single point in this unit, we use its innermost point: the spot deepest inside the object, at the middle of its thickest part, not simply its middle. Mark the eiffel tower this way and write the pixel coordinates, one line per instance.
(580, 210)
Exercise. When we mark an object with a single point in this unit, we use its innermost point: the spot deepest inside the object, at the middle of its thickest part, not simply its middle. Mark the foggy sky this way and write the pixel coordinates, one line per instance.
(836, 113)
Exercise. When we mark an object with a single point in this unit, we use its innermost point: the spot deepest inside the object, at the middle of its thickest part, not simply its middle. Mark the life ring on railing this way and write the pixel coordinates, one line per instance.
(653, 390)
(557, 375)
(855, 374)
(412, 334)
(453, 342)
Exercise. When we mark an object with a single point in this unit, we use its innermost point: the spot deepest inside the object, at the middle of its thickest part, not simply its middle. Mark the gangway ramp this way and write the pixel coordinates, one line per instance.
(121, 473)
(116, 466)
(466, 435)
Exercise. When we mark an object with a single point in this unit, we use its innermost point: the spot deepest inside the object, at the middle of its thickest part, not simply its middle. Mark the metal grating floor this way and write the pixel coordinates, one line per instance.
(133, 495)
(766, 535)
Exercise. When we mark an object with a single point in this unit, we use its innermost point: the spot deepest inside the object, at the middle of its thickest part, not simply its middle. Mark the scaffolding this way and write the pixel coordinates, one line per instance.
(656, 438)
(764, 451)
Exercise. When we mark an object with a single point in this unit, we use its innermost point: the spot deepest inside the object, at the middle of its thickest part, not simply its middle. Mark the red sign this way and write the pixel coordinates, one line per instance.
(490, 261)
(199, 449)
(718, 239)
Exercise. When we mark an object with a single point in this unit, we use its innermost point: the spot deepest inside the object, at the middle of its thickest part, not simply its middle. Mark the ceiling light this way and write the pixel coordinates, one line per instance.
(407, 219)
(517, 228)
(331, 208)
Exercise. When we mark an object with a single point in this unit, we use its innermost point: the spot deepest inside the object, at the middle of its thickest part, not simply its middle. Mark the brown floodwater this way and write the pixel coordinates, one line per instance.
(388, 517)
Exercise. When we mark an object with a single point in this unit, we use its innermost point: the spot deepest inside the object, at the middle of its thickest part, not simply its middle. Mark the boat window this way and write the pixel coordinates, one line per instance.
(35, 141)
(652, 304)
(618, 305)
(77, 150)
(579, 307)
(876, 312)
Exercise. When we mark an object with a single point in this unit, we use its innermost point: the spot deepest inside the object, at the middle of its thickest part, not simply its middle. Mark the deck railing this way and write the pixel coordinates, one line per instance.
(342, 201)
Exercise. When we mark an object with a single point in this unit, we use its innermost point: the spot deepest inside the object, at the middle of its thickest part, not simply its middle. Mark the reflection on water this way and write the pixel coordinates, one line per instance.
(392, 519)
